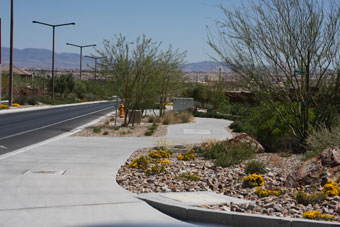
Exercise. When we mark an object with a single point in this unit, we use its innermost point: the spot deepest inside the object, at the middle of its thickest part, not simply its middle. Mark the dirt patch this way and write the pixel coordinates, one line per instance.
(107, 128)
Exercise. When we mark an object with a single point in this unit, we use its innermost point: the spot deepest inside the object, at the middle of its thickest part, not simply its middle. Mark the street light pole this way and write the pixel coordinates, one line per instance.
(95, 65)
(10, 95)
(53, 45)
(81, 52)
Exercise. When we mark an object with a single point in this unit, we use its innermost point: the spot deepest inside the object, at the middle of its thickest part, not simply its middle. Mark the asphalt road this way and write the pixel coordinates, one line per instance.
(21, 129)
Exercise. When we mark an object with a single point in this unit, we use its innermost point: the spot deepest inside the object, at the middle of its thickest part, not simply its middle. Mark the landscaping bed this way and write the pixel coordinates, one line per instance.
(106, 127)
(151, 170)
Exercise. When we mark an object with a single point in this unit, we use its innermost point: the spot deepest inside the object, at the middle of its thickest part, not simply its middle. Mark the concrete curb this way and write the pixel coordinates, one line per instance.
(200, 215)
(47, 107)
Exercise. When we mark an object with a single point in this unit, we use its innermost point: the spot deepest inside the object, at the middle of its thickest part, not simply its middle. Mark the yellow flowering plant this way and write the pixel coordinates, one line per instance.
(156, 169)
(3, 106)
(187, 156)
(265, 193)
(331, 189)
(253, 180)
(140, 163)
(316, 215)
(159, 154)
(16, 105)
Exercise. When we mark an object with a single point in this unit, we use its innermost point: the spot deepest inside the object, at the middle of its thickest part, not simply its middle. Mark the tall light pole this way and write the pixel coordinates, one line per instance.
(53, 26)
(81, 52)
(95, 65)
(10, 95)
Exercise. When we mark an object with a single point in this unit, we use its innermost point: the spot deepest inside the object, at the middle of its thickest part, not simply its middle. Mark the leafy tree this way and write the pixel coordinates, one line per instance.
(287, 52)
(140, 70)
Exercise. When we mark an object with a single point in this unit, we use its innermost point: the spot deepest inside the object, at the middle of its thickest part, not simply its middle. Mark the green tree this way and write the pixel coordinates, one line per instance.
(136, 68)
(287, 52)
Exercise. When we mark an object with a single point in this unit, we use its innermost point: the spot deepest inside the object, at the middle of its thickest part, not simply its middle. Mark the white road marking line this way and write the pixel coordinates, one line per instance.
(46, 126)
(3, 147)
(66, 134)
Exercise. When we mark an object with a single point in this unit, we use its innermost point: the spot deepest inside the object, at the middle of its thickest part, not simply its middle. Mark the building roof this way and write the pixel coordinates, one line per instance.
(16, 70)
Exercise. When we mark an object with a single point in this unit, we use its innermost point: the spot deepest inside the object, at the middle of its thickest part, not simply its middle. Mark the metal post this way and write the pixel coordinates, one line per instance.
(81, 56)
(53, 26)
(53, 46)
(10, 96)
(95, 69)
(116, 110)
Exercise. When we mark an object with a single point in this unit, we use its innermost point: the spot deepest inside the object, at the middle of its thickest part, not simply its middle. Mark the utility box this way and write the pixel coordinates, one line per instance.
(136, 117)
(181, 104)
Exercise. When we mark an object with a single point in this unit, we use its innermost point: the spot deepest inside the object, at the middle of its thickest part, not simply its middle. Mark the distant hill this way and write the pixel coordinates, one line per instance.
(205, 66)
(41, 58)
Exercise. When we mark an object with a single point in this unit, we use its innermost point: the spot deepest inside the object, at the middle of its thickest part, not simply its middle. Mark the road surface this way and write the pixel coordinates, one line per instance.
(21, 129)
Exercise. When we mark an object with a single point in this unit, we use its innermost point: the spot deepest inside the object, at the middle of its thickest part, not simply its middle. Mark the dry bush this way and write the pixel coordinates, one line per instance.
(321, 139)
(172, 117)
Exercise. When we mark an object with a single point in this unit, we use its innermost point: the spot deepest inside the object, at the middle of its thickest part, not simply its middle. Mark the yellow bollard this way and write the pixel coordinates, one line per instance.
(121, 110)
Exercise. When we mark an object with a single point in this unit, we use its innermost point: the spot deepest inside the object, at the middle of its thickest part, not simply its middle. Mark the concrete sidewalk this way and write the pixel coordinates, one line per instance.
(71, 181)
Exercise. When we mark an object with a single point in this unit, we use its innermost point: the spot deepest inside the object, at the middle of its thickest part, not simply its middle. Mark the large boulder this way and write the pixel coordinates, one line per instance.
(330, 157)
(244, 138)
(310, 171)
(317, 170)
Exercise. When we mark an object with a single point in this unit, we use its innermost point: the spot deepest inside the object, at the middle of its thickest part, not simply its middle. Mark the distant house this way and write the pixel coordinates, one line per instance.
(16, 71)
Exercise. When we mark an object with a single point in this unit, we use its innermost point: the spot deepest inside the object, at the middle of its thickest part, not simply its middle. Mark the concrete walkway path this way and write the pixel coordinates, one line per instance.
(71, 181)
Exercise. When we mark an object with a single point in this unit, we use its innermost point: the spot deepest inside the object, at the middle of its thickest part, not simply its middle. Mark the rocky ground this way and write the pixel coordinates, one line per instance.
(108, 129)
(228, 181)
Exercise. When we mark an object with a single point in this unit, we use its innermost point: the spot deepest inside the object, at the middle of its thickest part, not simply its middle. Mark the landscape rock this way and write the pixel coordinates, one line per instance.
(330, 157)
(244, 138)
(310, 172)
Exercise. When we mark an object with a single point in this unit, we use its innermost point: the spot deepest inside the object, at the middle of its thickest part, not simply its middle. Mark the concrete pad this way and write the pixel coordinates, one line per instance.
(203, 129)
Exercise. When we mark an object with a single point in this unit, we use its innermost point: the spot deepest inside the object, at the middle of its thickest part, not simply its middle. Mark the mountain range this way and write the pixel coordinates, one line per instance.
(42, 58)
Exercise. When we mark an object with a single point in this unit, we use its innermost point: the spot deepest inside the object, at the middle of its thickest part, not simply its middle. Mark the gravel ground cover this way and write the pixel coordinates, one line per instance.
(107, 128)
(201, 175)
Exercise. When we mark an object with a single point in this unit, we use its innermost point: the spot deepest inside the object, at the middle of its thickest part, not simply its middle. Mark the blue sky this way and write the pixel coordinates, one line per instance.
(181, 23)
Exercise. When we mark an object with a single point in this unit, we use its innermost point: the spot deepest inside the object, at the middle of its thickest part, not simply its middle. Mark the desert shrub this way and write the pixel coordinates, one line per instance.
(115, 127)
(322, 138)
(31, 101)
(265, 193)
(172, 117)
(151, 129)
(187, 156)
(156, 169)
(253, 180)
(97, 130)
(331, 189)
(269, 129)
(151, 119)
(159, 154)
(255, 167)
(148, 133)
(188, 177)
(140, 163)
(22, 100)
(185, 116)
(316, 215)
(305, 199)
(226, 154)
(3, 106)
